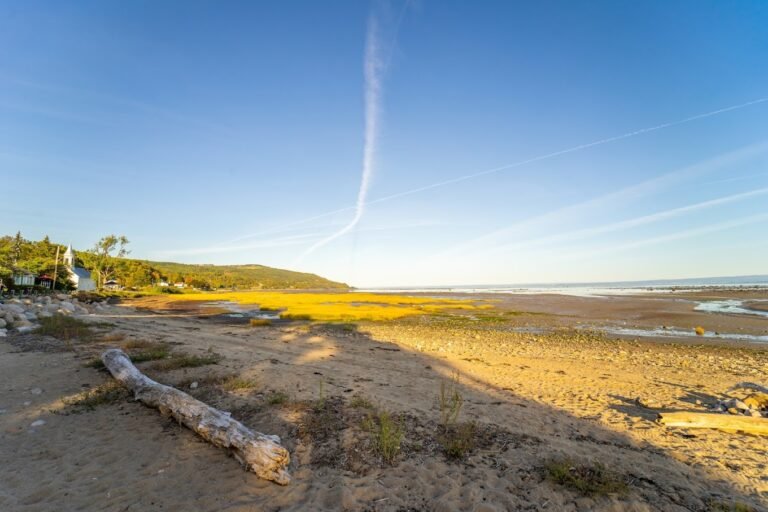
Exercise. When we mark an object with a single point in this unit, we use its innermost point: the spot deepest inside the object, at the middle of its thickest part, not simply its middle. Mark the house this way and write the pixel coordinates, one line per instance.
(23, 278)
(163, 284)
(78, 276)
(44, 281)
(112, 285)
(180, 285)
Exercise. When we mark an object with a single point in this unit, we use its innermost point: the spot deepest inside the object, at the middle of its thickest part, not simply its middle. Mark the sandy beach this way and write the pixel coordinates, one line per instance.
(536, 388)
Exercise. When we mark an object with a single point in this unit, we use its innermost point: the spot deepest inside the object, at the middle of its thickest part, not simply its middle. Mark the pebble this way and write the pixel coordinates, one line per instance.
(37, 423)
(194, 385)
(36, 391)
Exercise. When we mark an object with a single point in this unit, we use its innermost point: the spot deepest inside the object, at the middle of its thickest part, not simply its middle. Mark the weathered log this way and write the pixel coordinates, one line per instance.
(258, 452)
(725, 422)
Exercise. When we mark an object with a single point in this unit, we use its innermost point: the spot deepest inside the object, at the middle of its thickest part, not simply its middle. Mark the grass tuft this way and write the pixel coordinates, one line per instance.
(450, 400)
(277, 398)
(260, 322)
(237, 383)
(458, 440)
(387, 435)
(360, 402)
(590, 480)
(64, 328)
(733, 506)
(185, 361)
(108, 393)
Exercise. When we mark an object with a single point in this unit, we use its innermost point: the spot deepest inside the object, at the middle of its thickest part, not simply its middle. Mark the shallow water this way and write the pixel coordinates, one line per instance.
(729, 306)
(677, 333)
(240, 311)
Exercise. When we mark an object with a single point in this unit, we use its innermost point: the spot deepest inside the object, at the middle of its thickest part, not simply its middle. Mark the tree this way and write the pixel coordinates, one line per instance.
(18, 244)
(105, 255)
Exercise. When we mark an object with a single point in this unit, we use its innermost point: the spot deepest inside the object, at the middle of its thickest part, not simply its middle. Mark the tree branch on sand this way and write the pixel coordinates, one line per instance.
(258, 452)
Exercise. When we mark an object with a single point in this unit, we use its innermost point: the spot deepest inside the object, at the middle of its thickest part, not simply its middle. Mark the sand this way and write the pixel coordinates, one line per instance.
(534, 397)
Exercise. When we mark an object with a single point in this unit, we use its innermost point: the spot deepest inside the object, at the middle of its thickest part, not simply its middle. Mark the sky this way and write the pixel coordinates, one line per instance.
(400, 143)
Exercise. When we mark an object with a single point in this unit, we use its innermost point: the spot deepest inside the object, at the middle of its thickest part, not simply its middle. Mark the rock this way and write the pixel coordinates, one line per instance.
(68, 306)
(26, 328)
(648, 403)
(3, 333)
(757, 401)
(29, 315)
(44, 314)
(36, 391)
(14, 308)
(194, 385)
(37, 423)
(3, 323)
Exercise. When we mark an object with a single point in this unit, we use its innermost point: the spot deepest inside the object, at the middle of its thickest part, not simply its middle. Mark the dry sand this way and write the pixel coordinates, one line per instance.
(534, 397)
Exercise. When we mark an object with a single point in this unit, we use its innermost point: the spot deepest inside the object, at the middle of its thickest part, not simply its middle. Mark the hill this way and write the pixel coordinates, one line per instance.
(39, 257)
(242, 276)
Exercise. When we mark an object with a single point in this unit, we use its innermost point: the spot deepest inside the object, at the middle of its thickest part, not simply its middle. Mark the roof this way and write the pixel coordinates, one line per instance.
(81, 272)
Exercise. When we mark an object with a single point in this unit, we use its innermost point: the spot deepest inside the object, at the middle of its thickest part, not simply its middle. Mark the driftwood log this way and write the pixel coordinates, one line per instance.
(725, 422)
(258, 452)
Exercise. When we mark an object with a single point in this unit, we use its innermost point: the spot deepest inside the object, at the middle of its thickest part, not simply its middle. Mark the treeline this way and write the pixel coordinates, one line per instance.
(38, 257)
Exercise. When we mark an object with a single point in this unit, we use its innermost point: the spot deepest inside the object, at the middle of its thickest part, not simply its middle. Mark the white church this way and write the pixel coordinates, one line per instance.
(78, 276)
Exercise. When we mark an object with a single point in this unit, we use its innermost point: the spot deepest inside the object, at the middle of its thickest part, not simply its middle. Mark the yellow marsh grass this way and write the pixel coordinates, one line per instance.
(330, 307)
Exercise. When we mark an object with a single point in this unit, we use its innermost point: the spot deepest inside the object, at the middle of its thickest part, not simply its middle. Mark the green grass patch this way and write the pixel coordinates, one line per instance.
(295, 316)
(360, 402)
(149, 354)
(238, 383)
(109, 393)
(64, 328)
(458, 440)
(589, 480)
(185, 361)
(277, 398)
(729, 506)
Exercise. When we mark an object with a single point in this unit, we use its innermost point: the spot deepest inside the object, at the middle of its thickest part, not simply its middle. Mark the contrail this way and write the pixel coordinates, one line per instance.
(516, 164)
(373, 69)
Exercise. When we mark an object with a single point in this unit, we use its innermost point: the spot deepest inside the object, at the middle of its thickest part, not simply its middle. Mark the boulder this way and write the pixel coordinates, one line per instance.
(13, 308)
(67, 306)
(3, 323)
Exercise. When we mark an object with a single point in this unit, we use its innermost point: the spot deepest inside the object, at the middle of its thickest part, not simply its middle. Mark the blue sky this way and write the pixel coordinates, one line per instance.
(229, 132)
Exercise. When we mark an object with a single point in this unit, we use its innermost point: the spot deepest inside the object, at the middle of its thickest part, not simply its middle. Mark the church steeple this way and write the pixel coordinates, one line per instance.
(69, 257)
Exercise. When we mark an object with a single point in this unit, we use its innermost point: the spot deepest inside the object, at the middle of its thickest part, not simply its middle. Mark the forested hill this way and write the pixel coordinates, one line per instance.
(104, 263)
(241, 276)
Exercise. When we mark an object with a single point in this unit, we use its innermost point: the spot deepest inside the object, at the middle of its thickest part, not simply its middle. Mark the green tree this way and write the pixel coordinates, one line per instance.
(105, 255)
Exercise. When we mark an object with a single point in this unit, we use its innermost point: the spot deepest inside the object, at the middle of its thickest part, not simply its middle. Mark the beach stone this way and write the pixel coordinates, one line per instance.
(44, 314)
(757, 401)
(68, 306)
(194, 385)
(26, 328)
(36, 391)
(37, 423)
(14, 308)
(3, 333)
(29, 315)
(3, 323)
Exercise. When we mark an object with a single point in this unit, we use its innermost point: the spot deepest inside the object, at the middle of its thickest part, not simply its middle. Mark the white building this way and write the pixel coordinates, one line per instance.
(79, 277)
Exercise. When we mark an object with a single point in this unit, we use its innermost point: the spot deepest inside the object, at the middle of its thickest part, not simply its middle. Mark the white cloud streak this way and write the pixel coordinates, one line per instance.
(520, 163)
(373, 70)
(637, 221)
